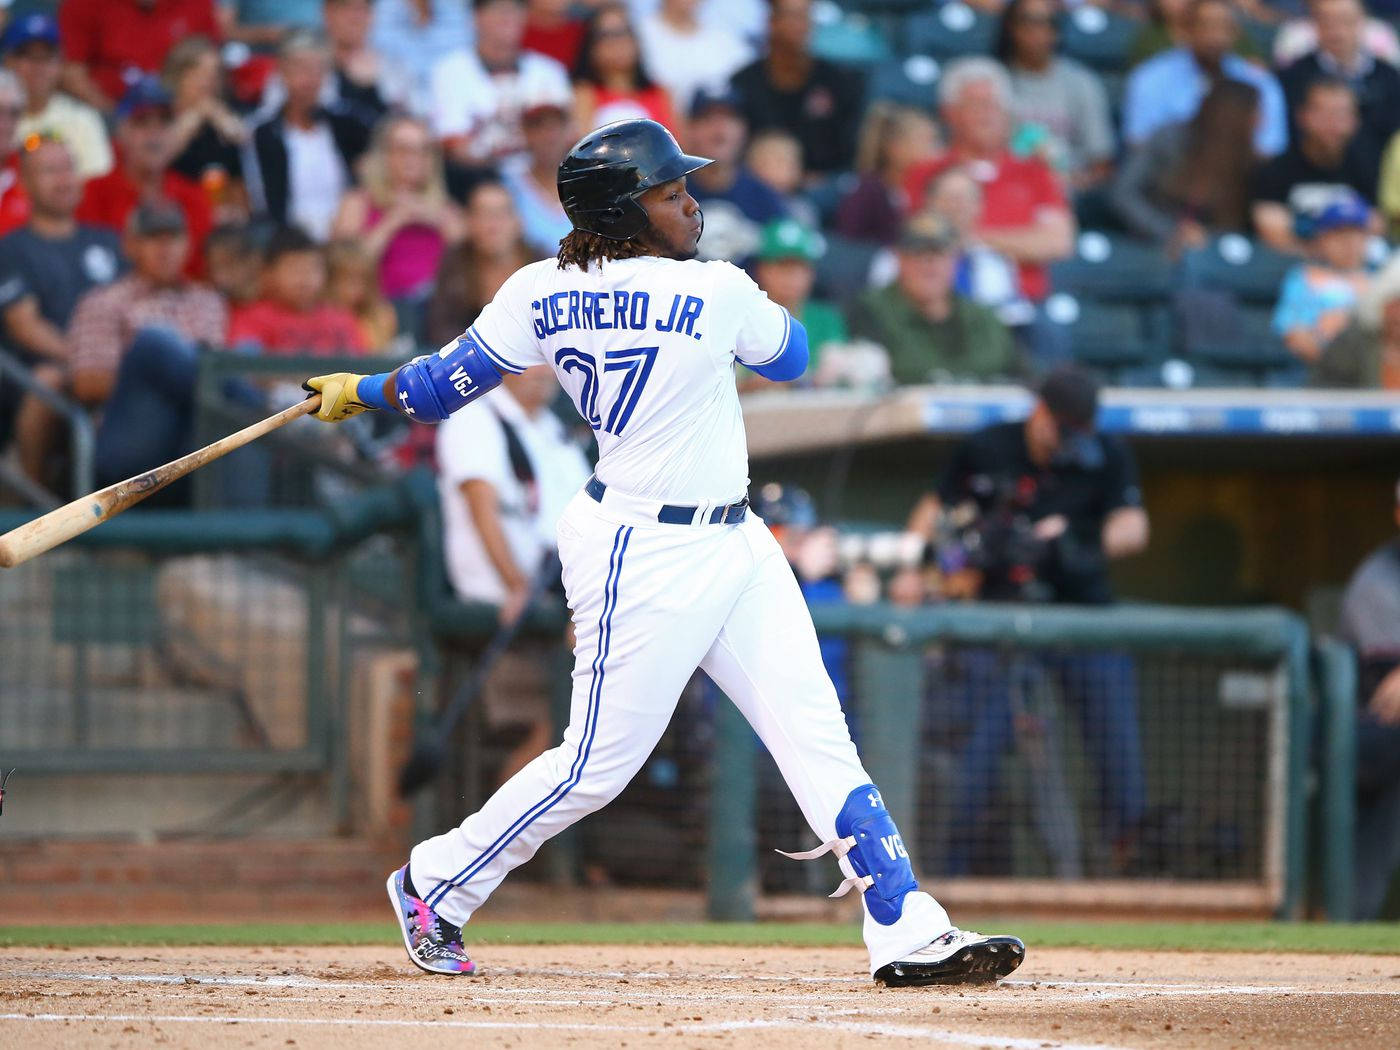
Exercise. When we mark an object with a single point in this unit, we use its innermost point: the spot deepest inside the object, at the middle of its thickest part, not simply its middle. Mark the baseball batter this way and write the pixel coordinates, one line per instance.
(664, 568)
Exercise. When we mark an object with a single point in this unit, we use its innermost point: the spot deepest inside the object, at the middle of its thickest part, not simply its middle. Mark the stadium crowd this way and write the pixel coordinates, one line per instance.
(942, 192)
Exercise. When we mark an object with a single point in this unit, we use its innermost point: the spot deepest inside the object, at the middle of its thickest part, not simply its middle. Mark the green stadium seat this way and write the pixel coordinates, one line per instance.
(1217, 330)
(912, 81)
(1233, 263)
(1114, 268)
(1100, 39)
(950, 31)
(1100, 334)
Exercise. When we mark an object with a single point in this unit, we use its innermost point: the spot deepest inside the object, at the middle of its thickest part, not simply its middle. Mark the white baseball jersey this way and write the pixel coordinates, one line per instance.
(646, 349)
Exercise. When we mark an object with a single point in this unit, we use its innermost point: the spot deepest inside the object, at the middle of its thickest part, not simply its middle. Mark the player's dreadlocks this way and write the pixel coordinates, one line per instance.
(580, 248)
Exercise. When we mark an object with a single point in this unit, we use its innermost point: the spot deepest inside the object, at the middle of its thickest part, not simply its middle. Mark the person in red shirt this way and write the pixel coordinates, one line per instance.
(550, 30)
(1025, 216)
(609, 82)
(144, 122)
(292, 315)
(109, 44)
(14, 203)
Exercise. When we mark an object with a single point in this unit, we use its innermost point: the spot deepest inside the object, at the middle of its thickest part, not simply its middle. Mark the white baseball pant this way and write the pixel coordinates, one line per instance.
(651, 602)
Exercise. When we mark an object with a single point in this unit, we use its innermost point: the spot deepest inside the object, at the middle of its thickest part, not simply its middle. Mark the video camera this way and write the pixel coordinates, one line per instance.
(998, 541)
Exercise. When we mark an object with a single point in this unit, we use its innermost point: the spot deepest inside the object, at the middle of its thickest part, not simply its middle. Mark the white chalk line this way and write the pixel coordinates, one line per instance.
(939, 1035)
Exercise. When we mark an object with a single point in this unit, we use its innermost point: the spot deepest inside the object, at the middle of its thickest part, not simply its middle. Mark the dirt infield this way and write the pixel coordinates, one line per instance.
(346, 998)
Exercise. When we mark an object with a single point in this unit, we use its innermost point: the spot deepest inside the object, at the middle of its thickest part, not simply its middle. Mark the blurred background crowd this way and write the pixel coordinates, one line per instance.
(1177, 193)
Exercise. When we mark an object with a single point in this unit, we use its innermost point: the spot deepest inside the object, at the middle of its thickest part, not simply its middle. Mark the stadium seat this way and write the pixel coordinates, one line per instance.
(844, 271)
(1103, 335)
(1235, 264)
(1115, 268)
(1217, 330)
(1100, 39)
(948, 32)
(911, 81)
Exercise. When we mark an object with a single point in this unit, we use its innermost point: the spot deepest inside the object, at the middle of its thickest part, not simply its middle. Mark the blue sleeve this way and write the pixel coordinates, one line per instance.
(430, 388)
(791, 359)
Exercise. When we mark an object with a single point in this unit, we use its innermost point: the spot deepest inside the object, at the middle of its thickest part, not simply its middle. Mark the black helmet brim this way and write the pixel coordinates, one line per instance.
(674, 168)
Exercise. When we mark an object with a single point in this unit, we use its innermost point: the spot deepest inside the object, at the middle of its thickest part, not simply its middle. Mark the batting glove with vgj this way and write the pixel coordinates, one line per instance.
(339, 396)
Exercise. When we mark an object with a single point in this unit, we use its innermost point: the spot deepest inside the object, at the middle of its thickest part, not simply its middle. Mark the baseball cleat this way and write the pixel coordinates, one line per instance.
(958, 957)
(433, 943)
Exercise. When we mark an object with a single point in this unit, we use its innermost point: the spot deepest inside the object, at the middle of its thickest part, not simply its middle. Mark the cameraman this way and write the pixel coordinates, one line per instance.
(1034, 511)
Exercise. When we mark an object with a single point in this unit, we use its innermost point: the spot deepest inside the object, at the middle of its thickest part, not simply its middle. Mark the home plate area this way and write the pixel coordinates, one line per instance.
(605, 996)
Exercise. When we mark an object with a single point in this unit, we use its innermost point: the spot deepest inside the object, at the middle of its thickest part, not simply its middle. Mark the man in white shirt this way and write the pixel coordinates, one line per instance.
(478, 93)
(506, 470)
(30, 46)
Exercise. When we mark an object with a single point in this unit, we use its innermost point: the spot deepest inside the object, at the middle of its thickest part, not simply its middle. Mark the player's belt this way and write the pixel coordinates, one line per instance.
(679, 513)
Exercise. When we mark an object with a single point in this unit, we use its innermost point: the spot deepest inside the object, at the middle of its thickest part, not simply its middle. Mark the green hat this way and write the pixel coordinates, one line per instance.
(789, 239)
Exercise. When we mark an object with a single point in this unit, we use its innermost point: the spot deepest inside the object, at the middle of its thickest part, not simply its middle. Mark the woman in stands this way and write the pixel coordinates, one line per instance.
(207, 135)
(402, 213)
(893, 139)
(1192, 179)
(609, 82)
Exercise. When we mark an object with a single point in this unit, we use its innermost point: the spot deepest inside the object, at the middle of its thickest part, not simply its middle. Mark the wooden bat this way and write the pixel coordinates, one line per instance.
(59, 526)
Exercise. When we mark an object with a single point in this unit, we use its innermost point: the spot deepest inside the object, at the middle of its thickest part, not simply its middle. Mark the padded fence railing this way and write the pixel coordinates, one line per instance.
(1119, 757)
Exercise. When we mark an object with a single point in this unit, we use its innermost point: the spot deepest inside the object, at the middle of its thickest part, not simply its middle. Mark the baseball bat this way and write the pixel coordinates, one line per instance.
(73, 519)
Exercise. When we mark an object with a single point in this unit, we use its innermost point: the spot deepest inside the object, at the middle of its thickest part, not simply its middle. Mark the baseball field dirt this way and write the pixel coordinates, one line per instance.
(697, 996)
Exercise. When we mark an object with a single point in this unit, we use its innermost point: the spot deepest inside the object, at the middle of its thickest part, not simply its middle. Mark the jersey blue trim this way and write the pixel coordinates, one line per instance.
(782, 343)
(595, 694)
(496, 359)
(791, 359)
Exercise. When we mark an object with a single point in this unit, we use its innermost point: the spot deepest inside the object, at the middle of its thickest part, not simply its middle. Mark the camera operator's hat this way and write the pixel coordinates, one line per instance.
(1072, 396)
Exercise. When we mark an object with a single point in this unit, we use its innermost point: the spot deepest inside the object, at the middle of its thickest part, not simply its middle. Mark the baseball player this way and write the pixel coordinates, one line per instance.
(664, 567)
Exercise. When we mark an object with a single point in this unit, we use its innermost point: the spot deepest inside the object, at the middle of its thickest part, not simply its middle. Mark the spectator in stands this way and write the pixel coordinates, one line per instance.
(401, 214)
(984, 275)
(1169, 87)
(735, 202)
(207, 136)
(479, 94)
(45, 267)
(135, 347)
(1300, 36)
(143, 176)
(1024, 215)
(1388, 190)
(609, 81)
(1367, 354)
(474, 270)
(14, 202)
(414, 35)
(1193, 178)
(292, 316)
(785, 268)
(932, 333)
(234, 263)
(775, 158)
(1326, 159)
(361, 82)
(109, 44)
(1047, 503)
(551, 29)
(352, 283)
(1055, 94)
(1342, 55)
(302, 158)
(549, 132)
(894, 140)
(506, 471)
(1370, 624)
(30, 46)
(682, 54)
(789, 87)
(1319, 297)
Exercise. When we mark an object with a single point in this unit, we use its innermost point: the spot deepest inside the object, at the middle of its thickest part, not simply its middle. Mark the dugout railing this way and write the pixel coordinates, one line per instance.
(1225, 703)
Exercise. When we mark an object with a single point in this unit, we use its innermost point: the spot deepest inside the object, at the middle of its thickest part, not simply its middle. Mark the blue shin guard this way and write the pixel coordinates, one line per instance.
(868, 839)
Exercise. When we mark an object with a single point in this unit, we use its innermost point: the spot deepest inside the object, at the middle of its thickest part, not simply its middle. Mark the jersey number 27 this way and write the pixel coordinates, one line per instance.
(635, 366)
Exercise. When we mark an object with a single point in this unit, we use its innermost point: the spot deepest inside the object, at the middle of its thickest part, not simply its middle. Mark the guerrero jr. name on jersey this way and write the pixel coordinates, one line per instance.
(605, 311)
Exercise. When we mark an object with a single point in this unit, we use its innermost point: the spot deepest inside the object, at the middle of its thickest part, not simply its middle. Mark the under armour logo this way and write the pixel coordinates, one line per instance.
(408, 409)
(875, 800)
